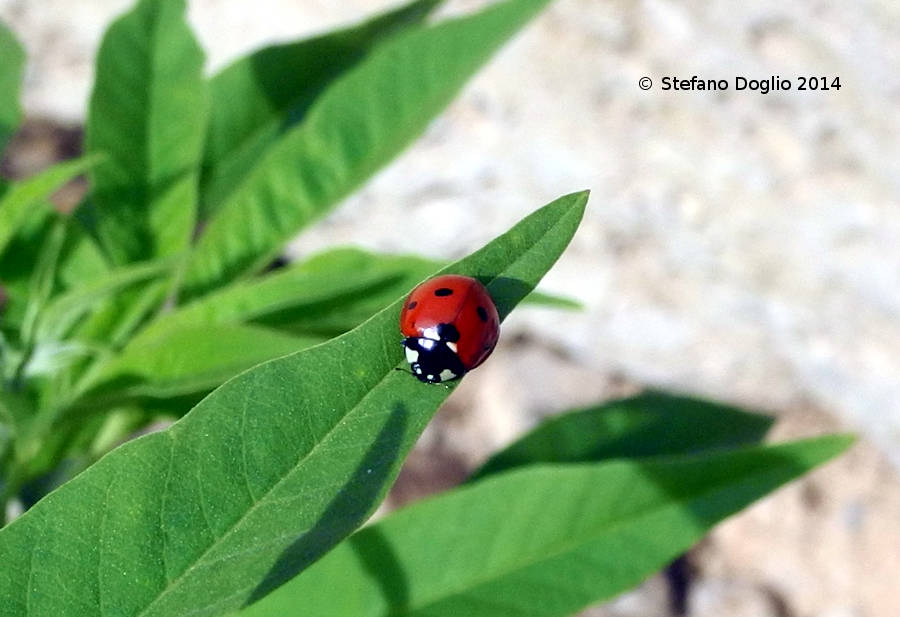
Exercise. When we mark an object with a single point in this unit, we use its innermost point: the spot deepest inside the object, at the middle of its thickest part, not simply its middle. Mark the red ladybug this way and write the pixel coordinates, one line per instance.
(451, 326)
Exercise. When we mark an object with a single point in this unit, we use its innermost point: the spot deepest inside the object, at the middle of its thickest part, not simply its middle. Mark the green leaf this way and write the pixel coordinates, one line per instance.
(650, 424)
(12, 68)
(382, 279)
(82, 261)
(135, 306)
(187, 360)
(41, 285)
(389, 276)
(321, 284)
(260, 96)
(7, 435)
(17, 266)
(356, 126)
(261, 478)
(325, 295)
(190, 338)
(16, 409)
(148, 113)
(40, 288)
(543, 541)
(99, 331)
(541, 298)
(124, 295)
(66, 310)
(26, 201)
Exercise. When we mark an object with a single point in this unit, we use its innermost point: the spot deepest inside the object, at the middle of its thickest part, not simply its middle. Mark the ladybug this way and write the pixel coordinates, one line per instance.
(451, 326)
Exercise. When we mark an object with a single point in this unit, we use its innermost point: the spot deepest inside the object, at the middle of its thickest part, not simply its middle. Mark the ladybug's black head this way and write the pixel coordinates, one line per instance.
(432, 361)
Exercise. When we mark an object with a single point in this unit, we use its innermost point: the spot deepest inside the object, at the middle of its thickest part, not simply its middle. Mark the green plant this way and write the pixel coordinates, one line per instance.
(153, 301)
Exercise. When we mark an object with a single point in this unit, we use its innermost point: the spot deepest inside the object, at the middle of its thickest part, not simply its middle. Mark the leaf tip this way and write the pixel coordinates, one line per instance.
(843, 441)
(823, 448)
(582, 196)
(580, 200)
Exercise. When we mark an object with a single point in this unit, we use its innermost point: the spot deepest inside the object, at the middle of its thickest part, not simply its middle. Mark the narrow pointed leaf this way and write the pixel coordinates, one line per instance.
(321, 284)
(125, 314)
(362, 121)
(79, 263)
(66, 310)
(43, 278)
(387, 276)
(542, 298)
(17, 265)
(201, 345)
(82, 261)
(187, 360)
(26, 201)
(261, 478)
(12, 67)
(260, 96)
(327, 294)
(148, 113)
(324, 296)
(543, 541)
(650, 424)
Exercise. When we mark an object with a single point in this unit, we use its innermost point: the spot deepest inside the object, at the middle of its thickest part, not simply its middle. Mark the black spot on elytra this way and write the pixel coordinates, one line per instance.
(448, 332)
(482, 314)
(443, 291)
(412, 305)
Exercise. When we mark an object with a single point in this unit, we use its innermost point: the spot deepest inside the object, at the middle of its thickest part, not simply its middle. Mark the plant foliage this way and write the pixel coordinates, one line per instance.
(275, 417)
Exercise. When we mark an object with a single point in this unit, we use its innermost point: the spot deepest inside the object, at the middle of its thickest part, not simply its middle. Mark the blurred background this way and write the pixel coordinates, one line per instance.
(739, 246)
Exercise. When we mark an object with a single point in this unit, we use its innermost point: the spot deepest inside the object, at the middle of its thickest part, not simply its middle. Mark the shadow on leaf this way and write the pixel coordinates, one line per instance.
(348, 510)
(507, 293)
(380, 561)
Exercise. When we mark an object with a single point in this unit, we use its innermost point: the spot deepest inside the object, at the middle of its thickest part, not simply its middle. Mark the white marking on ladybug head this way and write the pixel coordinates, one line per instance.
(431, 333)
(411, 355)
(452, 346)
(447, 374)
(418, 370)
(427, 343)
(430, 377)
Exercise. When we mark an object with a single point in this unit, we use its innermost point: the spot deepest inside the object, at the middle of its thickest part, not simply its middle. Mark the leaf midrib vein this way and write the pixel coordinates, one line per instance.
(248, 513)
(566, 547)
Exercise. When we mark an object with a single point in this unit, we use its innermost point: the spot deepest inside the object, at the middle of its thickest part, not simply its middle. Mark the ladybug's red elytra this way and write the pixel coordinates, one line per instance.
(450, 325)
